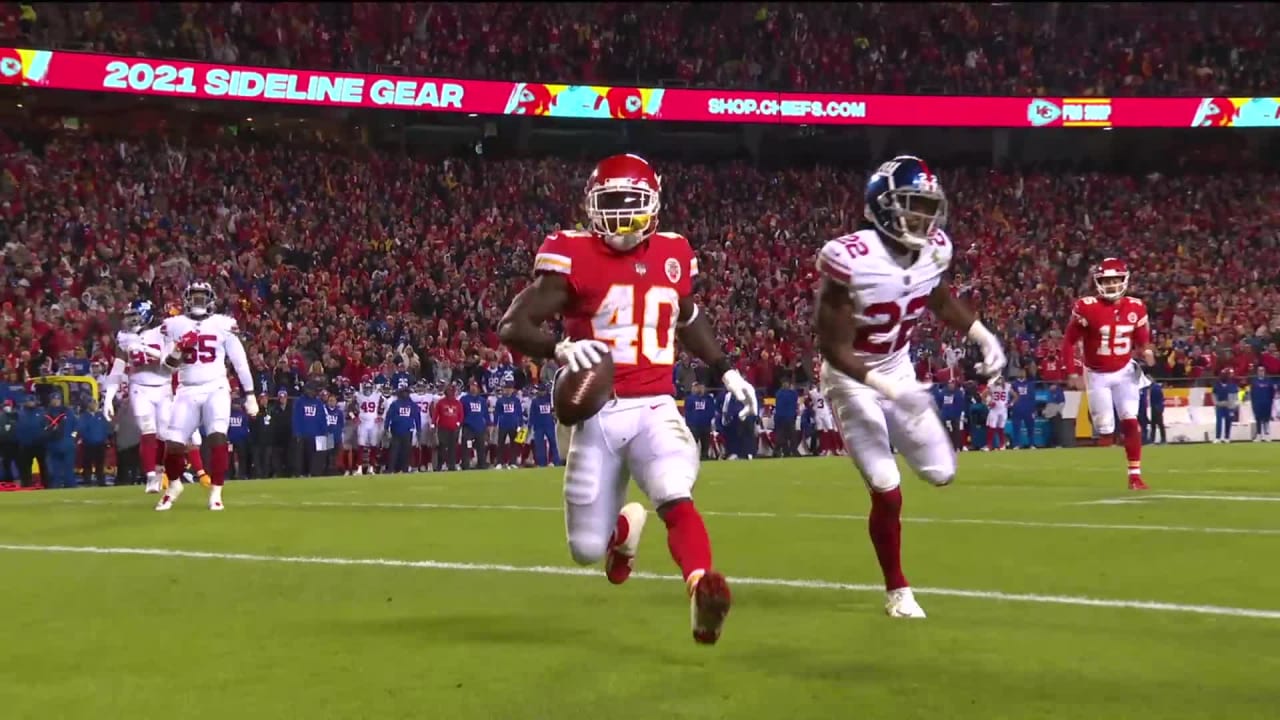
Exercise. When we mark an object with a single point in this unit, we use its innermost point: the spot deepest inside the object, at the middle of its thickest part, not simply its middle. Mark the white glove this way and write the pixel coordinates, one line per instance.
(743, 392)
(251, 405)
(579, 355)
(109, 402)
(993, 359)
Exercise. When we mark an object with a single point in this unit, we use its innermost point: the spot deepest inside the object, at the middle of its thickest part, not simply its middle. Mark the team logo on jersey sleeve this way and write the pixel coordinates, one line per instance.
(1133, 317)
(673, 269)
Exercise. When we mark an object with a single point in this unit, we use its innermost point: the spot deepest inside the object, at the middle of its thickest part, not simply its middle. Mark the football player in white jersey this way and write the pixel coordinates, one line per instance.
(876, 283)
(368, 404)
(385, 398)
(424, 399)
(140, 351)
(350, 434)
(823, 423)
(999, 397)
(202, 343)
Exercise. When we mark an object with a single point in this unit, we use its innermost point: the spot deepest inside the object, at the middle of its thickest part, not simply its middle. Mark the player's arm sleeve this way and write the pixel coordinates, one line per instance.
(553, 257)
(834, 262)
(1073, 335)
(1142, 332)
(688, 311)
(116, 374)
(240, 363)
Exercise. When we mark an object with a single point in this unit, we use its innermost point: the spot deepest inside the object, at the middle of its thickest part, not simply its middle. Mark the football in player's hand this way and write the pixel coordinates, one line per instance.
(578, 396)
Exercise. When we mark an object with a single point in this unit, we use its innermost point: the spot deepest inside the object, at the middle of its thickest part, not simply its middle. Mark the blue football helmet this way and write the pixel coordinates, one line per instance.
(905, 201)
(138, 316)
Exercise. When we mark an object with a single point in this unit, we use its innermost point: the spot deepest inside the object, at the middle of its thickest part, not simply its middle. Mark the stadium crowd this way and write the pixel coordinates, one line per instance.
(955, 48)
(345, 266)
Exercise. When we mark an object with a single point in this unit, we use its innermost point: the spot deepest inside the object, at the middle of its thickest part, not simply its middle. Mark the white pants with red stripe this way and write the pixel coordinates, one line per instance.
(643, 438)
(1111, 394)
(869, 423)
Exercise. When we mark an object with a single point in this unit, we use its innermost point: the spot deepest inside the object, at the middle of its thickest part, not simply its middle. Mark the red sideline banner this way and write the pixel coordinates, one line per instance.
(175, 78)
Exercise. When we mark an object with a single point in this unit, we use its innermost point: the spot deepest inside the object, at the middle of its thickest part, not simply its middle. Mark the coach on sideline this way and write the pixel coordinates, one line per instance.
(403, 423)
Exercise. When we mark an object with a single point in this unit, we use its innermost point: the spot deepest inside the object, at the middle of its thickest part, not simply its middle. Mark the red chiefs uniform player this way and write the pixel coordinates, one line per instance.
(625, 289)
(1111, 326)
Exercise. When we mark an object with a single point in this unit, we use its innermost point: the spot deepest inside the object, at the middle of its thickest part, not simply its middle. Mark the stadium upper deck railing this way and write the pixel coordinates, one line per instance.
(95, 72)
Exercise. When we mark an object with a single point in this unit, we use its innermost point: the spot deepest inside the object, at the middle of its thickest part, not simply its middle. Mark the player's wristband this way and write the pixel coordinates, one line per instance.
(980, 334)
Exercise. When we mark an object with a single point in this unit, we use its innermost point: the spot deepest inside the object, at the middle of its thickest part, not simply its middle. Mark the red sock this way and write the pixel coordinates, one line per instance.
(687, 538)
(174, 464)
(991, 438)
(1003, 439)
(150, 453)
(1132, 444)
(426, 456)
(219, 461)
(620, 529)
(195, 460)
(884, 524)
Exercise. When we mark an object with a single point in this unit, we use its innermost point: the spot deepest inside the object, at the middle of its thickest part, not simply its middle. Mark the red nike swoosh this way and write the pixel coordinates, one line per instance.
(654, 407)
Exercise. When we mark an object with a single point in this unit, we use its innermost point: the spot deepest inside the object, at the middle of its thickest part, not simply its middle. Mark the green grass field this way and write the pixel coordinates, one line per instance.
(453, 597)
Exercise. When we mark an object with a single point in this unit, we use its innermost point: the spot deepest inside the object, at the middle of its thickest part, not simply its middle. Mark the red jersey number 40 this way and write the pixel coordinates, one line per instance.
(650, 334)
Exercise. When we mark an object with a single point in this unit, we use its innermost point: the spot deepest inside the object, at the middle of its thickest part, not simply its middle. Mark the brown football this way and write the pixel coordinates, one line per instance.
(578, 396)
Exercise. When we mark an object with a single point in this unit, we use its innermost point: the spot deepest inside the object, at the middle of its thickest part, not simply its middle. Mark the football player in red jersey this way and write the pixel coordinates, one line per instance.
(1111, 326)
(625, 289)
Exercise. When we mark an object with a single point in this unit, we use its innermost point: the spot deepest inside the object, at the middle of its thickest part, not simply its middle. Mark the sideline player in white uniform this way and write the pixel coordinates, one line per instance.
(203, 342)
(369, 420)
(999, 398)
(876, 283)
(823, 423)
(140, 350)
(349, 460)
(424, 399)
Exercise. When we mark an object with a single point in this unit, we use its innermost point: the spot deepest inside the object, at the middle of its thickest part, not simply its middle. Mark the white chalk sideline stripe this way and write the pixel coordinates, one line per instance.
(590, 572)
(725, 513)
(825, 516)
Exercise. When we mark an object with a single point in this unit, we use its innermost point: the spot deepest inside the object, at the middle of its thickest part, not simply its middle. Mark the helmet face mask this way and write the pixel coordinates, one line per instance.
(1111, 279)
(623, 198)
(905, 202)
(1111, 287)
(132, 321)
(197, 299)
(137, 316)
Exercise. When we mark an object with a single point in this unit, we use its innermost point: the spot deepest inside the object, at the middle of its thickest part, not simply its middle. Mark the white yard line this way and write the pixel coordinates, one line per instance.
(588, 572)
(1145, 498)
(255, 502)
